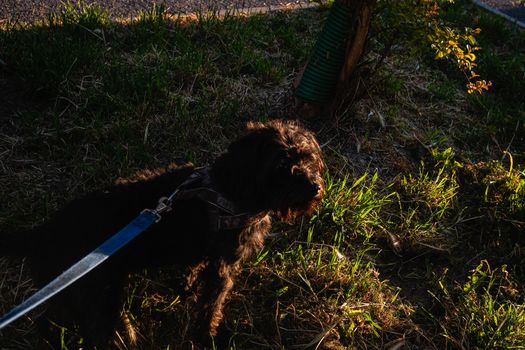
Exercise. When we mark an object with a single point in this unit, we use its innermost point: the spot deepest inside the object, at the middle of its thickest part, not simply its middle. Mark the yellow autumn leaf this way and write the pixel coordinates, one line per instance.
(470, 56)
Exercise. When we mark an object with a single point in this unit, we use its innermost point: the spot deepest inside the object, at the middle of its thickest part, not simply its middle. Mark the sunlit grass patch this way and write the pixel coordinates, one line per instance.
(80, 17)
(316, 296)
(505, 192)
(483, 313)
(497, 196)
(427, 202)
(500, 191)
(350, 297)
(324, 290)
(351, 209)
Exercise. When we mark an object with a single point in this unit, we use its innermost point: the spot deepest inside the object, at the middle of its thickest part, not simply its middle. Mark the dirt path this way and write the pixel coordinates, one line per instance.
(29, 10)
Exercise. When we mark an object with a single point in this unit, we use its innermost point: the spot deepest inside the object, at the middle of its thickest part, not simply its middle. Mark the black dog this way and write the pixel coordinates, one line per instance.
(219, 217)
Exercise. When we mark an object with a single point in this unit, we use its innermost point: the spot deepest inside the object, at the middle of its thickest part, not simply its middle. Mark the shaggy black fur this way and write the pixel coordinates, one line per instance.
(274, 170)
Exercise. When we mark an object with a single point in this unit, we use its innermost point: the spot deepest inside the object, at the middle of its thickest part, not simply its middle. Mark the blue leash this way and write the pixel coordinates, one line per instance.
(140, 224)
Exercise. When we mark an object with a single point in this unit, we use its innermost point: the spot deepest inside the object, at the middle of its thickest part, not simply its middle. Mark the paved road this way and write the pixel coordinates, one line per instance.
(513, 8)
(27, 10)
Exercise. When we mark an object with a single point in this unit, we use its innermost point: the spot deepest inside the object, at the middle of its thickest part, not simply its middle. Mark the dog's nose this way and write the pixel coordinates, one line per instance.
(315, 188)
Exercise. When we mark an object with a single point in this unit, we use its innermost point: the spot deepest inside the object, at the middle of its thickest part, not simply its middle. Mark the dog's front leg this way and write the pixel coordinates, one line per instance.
(194, 273)
(217, 278)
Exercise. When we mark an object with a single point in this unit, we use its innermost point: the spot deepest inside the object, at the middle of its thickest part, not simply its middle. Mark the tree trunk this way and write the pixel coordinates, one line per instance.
(346, 86)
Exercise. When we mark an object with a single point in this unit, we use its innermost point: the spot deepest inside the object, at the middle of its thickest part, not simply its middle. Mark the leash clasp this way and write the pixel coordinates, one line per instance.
(164, 205)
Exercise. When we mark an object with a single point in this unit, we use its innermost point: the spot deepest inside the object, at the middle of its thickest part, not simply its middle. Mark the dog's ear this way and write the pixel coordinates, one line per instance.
(278, 124)
(251, 125)
(257, 136)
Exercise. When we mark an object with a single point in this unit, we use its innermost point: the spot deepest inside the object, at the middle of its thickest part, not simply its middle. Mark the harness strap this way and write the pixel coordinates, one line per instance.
(224, 214)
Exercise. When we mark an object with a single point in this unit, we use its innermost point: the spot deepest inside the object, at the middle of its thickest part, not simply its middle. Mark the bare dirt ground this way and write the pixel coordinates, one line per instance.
(29, 10)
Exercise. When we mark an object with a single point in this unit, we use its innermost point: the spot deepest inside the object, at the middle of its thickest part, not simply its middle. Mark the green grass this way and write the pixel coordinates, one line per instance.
(418, 241)
(427, 208)
(482, 312)
(501, 61)
(350, 211)
(152, 88)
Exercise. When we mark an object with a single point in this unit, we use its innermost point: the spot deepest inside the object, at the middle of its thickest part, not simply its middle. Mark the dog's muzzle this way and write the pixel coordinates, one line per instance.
(315, 189)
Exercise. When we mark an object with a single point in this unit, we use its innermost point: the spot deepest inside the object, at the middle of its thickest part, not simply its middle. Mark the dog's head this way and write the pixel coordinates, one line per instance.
(276, 166)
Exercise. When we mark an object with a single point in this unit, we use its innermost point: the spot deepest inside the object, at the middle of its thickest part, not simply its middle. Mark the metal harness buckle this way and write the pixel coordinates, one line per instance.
(164, 205)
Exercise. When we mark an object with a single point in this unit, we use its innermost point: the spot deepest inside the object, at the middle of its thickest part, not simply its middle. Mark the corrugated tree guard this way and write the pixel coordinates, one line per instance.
(322, 72)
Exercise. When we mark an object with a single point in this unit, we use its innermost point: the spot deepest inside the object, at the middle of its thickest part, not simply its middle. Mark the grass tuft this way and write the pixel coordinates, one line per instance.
(77, 16)
(427, 201)
(350, 210)
(483, 313)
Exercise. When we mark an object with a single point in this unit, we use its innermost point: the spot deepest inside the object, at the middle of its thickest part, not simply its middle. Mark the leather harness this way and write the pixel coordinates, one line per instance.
(224, 214)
